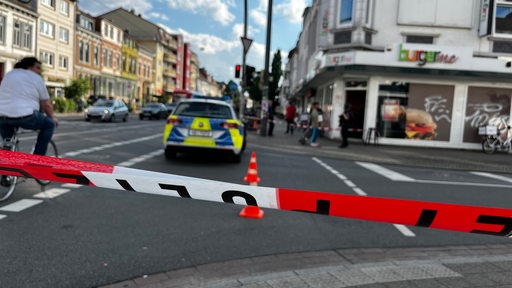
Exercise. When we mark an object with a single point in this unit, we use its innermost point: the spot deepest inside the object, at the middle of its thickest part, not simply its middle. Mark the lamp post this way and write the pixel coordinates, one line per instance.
(264, 98)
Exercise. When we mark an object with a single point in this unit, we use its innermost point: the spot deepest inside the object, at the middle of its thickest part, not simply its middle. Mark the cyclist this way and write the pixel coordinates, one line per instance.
(23, 95)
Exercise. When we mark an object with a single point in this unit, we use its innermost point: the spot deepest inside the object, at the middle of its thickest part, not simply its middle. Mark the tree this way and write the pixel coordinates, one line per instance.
(78, 88)
(275, 77)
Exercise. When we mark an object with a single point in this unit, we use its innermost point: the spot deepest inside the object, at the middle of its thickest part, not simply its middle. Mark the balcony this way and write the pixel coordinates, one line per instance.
(169, 57)
(169, 73)
(169, 87)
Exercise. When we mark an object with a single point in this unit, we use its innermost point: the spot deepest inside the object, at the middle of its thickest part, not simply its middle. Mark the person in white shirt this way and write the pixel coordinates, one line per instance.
(24, 101)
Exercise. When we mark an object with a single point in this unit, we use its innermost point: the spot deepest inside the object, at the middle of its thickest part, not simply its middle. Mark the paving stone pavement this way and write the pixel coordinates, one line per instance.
(452, 266)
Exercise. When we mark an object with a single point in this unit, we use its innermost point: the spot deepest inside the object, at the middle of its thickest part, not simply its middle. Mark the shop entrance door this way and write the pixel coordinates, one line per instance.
(357, 98)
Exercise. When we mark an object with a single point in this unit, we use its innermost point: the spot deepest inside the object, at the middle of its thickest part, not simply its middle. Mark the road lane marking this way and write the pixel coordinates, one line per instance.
(401, 228)
(70, 185)
(133, 161)
(51, 193)
(390, 174)
(2, 216)
(111, 145)
(493, 176)
(20, 205)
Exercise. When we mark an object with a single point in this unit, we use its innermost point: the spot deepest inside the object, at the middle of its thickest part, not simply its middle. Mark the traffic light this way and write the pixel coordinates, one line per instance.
(237, 71)
(249, 75)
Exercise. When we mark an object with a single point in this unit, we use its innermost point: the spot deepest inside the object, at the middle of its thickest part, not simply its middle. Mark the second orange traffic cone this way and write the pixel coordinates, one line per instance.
(252, 172)
(251, 211)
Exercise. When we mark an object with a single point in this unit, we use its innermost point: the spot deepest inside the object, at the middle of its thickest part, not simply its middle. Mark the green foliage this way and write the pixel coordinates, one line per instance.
(277, 72)
(63, 105)
(255, 91)
(78, 88)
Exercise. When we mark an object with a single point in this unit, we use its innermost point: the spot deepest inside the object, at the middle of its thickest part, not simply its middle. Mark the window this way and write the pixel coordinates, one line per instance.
(110, 59)
(2, 29)
(16, 37)
(81, 51)
(118, 61)
(64, 35)
(105, 57)
(63, 62)
(22, 35)
(419, 39)
(50, 3)
(46, 28)
(87, 53)
(96, 56)
(345, 16)
(47, 58)
(502, 47)
(343, 37)
(64, 8)
(503, 18)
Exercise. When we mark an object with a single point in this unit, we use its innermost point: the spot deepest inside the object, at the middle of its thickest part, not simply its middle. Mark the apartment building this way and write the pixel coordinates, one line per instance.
(88, 49)
(167, 48)
(18, 24)
(420, 72)
(55, 42)
(145, 84)
(110, 84)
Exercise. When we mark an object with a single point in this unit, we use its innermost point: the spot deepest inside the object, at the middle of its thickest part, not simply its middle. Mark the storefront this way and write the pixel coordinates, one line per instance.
(417, 96)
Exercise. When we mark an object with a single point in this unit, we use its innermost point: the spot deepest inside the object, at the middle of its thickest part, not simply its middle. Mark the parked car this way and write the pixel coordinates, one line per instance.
(170, 107)
(204, 125)
(106, 110)
(153, 111)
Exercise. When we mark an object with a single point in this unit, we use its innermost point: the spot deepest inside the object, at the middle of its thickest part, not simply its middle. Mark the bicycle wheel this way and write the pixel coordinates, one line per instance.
(489, 145)
(51, 152)
(7, 183)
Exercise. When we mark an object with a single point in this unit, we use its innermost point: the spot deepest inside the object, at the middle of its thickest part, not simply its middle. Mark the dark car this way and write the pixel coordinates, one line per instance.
(170, 107)
(153, 111)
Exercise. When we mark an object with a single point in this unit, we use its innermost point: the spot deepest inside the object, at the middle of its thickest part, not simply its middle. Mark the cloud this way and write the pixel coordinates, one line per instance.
(155, 15)
(292, 10)
(238, 31)
(218, 9)
(259, 17)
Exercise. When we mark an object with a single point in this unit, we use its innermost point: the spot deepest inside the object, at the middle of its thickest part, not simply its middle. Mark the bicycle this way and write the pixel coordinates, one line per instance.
(493, 140)
(7, 182)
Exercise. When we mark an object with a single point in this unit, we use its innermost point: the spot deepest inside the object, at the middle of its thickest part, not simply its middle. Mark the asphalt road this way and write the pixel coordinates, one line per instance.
(88, 237)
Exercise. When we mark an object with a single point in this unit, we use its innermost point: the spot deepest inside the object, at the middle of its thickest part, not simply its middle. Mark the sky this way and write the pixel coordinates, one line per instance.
(214, 27)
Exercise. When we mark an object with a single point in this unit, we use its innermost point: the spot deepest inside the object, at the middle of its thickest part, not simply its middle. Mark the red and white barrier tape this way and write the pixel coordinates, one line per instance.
(462, 218)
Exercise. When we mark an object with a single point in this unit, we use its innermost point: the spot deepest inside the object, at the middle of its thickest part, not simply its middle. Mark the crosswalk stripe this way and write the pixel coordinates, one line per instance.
(51, 193)
(395, 176)
(20, 205)
(493, 176)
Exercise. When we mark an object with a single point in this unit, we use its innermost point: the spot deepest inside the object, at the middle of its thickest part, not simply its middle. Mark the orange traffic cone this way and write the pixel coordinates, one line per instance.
(251, 211)
(252, 173)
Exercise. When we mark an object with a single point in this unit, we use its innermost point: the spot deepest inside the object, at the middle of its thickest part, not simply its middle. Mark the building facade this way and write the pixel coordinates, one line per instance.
(420, 72)
(87, 60)
(17, 33)
(55, 42)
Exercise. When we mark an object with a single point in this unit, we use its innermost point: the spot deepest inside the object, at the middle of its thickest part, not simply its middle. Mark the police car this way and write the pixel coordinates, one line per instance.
(204, 125)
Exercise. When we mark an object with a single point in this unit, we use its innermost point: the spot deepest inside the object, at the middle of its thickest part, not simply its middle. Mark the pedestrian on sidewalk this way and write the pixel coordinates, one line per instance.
(291, 112)
(345, 122)
(316, 121)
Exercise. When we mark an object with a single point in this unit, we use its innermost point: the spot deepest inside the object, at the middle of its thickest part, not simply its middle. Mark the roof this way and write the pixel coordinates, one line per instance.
(136, 26)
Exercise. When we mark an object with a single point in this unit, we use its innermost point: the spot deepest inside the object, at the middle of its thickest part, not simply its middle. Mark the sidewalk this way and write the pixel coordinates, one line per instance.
(452, 266)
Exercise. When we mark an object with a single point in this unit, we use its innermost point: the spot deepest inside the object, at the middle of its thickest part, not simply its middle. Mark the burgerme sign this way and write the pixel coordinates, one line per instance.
(423, 57)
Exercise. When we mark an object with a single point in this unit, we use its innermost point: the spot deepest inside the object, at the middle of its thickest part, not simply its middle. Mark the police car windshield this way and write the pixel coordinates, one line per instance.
(209, 110)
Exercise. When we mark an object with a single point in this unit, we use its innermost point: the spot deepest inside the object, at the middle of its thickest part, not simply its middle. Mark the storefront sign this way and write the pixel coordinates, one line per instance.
(425, 56)
(339, 59)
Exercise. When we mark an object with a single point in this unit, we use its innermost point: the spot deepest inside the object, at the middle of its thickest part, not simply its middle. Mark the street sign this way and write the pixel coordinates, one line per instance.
(232, 86)
(246, 42)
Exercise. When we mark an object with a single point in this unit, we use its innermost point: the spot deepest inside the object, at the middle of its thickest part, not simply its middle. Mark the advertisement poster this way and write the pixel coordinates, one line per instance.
(485, 105)
(390, 110)
(429, 112)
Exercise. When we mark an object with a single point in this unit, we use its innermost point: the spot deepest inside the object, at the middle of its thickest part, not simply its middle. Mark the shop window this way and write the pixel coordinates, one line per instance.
(485, 105)
(415, 111)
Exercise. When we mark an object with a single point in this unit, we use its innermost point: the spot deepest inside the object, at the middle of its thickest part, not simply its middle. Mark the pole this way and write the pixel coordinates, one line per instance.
(241, 101)
(264, 115)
